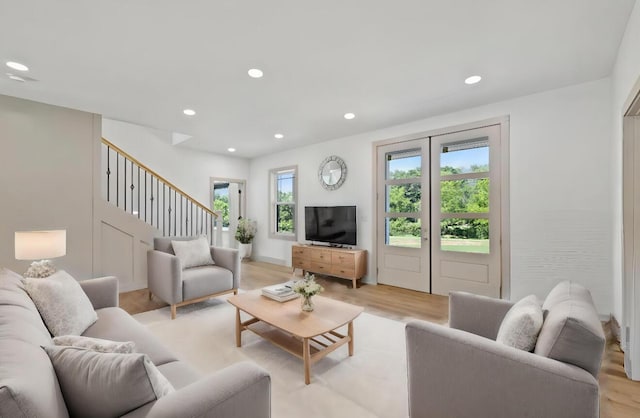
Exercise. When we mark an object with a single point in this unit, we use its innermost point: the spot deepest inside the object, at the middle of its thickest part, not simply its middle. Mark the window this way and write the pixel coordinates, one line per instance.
(284, 197)
(221, 201)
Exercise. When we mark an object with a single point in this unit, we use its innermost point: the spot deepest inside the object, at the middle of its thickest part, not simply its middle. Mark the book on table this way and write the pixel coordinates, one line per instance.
(281, 292)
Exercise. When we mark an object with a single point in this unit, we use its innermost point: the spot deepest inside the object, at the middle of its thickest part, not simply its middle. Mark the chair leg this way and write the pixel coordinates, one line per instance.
(235, 291)
(173, 311)
(150, 295)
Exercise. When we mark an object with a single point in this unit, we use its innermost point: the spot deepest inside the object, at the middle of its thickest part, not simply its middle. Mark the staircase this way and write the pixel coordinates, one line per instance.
(143, 193)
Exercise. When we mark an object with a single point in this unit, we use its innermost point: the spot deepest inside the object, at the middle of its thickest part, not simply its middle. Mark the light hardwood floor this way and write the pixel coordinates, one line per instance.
(619, 396)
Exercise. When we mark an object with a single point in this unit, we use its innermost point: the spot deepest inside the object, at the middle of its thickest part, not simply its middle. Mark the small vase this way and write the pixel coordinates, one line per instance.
(306, 304)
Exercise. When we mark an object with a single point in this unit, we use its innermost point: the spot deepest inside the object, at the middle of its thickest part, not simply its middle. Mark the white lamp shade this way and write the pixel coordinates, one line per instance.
(39, 245)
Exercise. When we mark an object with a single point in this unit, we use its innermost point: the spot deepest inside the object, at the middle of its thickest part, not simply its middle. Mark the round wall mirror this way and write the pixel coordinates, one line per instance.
(332, 172)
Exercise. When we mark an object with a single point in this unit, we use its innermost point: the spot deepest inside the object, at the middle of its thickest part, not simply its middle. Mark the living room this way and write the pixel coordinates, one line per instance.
(563, 119)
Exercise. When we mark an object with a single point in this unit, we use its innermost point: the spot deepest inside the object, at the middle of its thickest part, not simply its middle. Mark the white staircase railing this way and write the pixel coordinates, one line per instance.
(142, 192)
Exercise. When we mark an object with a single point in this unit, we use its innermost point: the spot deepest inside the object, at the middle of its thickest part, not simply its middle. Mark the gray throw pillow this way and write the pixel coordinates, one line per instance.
(63, 305)
(106, 385)
(96, 344)
(193, 253)
(521, 325)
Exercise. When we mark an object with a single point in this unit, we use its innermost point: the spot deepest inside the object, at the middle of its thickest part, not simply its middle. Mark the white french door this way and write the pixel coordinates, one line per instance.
(438, 213)
(465, 212)
(403, 219)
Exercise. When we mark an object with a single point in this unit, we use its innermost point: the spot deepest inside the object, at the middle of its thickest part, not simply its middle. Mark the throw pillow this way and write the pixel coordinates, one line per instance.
(193, 253)
(521, 325)
(105, 385)
(63, 305)
(96, 344)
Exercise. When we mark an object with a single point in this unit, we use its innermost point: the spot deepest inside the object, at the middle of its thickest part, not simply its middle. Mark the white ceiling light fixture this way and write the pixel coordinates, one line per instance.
(278, 136)
(17, 66)
(473, 79)
(16, 78)
(255, 73)
(231, 149)
(349, 116)
(189, 112)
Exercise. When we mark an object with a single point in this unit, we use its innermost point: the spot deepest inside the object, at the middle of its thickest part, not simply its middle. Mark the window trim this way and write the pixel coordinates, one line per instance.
(272, 203)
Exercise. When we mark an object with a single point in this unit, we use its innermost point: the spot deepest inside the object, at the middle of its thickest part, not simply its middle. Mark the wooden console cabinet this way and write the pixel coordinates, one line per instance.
(338, 262)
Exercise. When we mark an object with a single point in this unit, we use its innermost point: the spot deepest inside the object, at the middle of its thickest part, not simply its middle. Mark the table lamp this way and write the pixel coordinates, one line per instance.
(40, 245)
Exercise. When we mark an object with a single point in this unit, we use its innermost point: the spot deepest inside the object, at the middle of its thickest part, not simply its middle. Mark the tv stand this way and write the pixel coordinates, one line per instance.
(345, 263)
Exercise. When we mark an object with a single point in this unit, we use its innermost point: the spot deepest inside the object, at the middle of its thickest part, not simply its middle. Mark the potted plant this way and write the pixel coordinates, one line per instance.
(245, 233)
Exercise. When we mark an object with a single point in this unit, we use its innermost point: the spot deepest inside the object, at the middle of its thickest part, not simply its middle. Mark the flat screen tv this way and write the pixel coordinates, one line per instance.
(332, 224)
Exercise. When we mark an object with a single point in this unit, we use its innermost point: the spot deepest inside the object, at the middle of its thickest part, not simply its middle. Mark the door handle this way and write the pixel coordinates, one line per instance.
(425, 234)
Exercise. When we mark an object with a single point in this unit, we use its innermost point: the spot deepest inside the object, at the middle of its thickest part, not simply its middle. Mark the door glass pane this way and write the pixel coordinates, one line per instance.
(404, 164)
(403, 232)
(464, 235)
(470, 196)
(221, 201)
(404, 198)
(466, 157)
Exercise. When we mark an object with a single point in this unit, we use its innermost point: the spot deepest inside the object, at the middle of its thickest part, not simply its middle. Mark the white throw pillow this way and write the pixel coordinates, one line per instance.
(193, 253)
(63, 305)
(521, 325)
(96, 344)
(106, 384)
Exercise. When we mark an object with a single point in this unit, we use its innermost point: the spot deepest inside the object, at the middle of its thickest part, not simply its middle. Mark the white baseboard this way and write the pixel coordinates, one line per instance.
(271, 260)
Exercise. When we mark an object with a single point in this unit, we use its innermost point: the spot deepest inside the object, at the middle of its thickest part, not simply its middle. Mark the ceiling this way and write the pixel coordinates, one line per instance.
(145, 61)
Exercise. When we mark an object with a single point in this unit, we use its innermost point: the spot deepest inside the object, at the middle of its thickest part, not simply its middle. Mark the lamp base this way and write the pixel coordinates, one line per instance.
(40, 269)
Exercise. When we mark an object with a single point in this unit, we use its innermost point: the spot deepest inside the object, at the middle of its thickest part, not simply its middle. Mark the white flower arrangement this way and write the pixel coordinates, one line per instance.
(308, 286)
(246, 231)
(40, 269)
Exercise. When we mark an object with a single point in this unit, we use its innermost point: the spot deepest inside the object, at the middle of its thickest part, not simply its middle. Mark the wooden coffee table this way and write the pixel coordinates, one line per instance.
(307, 335)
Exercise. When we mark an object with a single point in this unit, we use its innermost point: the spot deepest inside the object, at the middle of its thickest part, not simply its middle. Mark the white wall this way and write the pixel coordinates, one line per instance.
(46, 178)
(626, 73)
(188, 169)
(561, 187)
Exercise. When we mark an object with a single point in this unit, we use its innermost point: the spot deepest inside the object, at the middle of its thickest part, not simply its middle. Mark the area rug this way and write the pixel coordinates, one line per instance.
(372, 383)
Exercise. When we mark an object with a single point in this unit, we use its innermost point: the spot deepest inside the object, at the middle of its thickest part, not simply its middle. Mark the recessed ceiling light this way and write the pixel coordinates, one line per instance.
(231, 149)
(255, 73)
(349, 116)
(278, 136)
(189, 112)
(16, 78)
(17, 66)
(473, 79)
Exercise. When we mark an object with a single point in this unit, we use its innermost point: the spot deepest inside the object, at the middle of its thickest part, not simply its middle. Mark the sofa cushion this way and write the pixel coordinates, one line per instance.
(95, 344)
(106, 385)
(179, 373)
(193, 253)
(64, 307)
(117, 325)
(521, 324)
(564, 291)
(572, 333)
(28, 384)
(164, 244)
(202, 281)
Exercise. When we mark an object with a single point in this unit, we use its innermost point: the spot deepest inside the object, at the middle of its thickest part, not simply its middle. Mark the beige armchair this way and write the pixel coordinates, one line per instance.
(461, 371)
(168, 281)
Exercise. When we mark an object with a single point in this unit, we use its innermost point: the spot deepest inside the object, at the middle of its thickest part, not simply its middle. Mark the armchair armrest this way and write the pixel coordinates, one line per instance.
(240, 390)
(102, 291)
(479, 315)
(453, 373)
(228, 258)
(164, 276)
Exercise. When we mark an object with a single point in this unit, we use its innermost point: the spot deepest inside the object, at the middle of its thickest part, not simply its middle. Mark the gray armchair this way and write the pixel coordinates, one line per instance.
(168, 281)
(461, 371)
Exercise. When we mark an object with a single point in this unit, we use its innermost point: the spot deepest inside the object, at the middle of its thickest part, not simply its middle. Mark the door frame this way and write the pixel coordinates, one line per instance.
(505, 243)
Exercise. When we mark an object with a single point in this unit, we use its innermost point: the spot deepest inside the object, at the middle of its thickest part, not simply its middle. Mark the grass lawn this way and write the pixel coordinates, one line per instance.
(448, 244)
